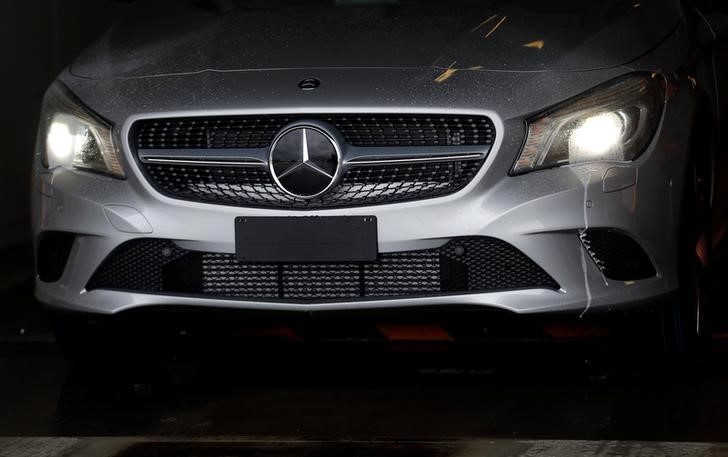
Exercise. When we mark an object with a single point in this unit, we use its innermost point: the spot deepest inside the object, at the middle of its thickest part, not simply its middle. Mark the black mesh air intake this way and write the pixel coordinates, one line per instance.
(464, 265)
(364, 130)
(617, 255)
(53, 251)
(362, 185)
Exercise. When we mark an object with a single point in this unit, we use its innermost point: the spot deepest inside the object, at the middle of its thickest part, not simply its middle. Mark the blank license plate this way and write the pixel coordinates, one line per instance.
(306, 239)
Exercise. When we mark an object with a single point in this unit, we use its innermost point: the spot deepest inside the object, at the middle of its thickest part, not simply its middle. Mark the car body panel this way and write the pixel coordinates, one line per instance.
(164, 37)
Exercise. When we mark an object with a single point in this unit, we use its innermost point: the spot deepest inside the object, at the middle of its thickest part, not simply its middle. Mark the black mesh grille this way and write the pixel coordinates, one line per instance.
(362, 185)
(383, 130)
(370, 130)
(617, 255)
(464, 265)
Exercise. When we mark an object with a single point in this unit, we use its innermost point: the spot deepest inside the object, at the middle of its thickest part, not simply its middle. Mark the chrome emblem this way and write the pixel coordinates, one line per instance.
(304, 161)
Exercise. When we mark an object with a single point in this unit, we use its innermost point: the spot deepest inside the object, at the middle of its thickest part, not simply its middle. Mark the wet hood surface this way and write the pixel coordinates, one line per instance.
(164, 37)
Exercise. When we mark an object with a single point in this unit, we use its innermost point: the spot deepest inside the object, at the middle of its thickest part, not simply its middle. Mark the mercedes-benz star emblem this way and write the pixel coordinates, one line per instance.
(304, 161)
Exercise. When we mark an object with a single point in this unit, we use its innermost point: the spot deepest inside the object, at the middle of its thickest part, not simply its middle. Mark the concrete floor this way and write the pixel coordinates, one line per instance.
(342, 401)
(43, 395)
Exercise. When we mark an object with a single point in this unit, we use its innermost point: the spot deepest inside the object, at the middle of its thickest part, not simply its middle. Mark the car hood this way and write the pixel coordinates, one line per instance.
(167, 37)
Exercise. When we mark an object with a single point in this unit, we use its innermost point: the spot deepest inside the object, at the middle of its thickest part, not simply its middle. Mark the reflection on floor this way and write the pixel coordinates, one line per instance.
(335, 395)
(141, 447)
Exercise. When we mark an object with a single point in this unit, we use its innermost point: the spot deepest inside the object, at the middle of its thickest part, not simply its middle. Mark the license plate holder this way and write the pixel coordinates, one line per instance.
(306, 239)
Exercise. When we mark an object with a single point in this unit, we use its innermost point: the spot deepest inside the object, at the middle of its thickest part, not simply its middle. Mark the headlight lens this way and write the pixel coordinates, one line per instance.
(72, 136)
(614, 122)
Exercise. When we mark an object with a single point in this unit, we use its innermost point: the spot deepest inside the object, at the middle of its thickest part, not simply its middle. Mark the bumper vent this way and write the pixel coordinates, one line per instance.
(53, 251)
(463, 265)
(371, 130)
(617, 255)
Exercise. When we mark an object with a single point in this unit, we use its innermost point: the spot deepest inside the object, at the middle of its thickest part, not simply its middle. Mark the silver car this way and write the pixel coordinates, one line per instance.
(324, 155)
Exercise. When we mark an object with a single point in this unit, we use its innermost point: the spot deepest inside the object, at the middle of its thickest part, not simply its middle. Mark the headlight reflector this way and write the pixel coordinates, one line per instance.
(614, 122)
(72, 136)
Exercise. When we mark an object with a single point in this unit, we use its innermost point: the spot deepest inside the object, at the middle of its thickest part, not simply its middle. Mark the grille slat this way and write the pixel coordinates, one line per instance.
(463, 265)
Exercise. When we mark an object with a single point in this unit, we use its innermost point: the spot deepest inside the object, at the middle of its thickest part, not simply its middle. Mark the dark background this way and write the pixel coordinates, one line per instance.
(37, 40)
(344, 395)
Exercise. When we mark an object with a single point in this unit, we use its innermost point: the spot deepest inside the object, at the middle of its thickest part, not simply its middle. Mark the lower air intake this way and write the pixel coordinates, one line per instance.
(463, 265)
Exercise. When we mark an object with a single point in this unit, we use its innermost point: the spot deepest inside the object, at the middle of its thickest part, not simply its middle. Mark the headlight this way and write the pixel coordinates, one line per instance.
(614, 122)
(72, 136)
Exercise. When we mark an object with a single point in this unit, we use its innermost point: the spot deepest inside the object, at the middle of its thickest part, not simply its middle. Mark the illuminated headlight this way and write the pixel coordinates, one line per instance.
(614, 122)
(71, 136)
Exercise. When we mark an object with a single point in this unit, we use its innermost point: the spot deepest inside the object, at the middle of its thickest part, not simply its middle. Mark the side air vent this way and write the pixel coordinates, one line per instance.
(617, 255)
(53, 251)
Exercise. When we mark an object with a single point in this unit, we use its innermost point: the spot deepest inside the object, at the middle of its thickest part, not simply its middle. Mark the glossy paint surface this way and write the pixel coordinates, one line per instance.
(163, 37)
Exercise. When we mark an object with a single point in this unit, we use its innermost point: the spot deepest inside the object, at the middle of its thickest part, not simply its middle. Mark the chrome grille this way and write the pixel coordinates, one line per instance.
(223, 160)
